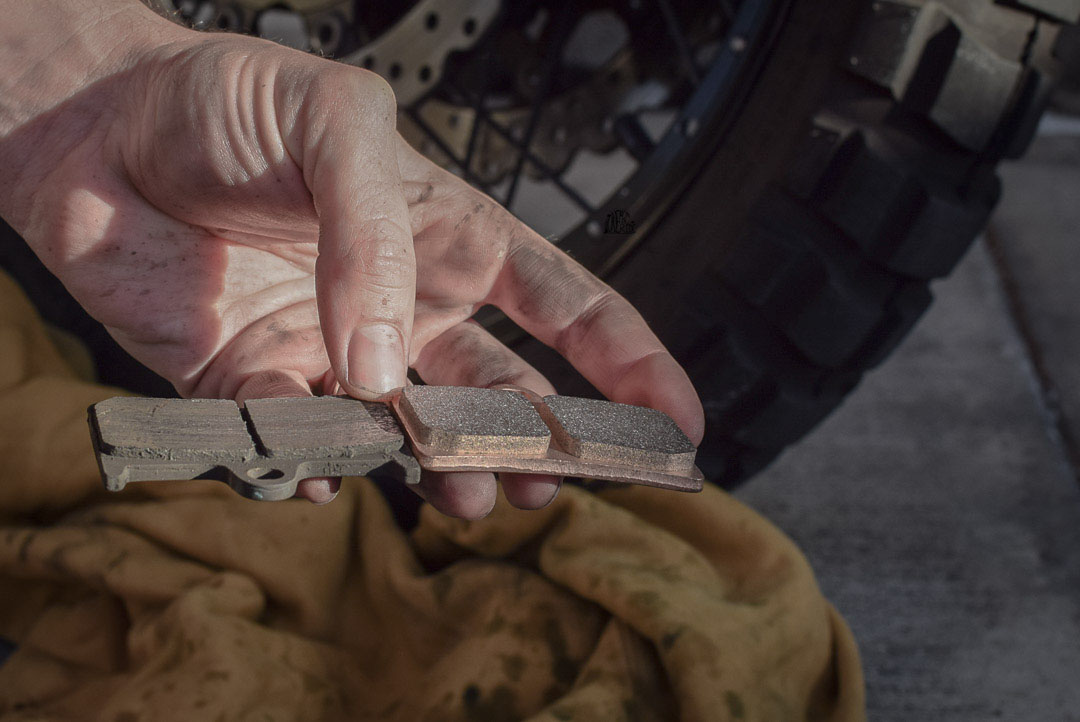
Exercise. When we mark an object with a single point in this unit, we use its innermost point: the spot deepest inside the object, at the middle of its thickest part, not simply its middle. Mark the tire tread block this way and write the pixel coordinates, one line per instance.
(1067, 11)
(894, 217)
(922, 56)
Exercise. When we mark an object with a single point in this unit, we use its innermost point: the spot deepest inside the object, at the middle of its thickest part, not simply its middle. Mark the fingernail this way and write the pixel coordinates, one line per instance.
(376, 358)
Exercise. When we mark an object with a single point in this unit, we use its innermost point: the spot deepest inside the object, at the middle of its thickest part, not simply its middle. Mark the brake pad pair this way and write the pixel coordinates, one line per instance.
(264, 448)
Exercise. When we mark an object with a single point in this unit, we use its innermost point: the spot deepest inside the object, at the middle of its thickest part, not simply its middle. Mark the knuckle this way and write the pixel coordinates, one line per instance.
(589, 312)
(369, 94)
(375, 96)
(379, 96)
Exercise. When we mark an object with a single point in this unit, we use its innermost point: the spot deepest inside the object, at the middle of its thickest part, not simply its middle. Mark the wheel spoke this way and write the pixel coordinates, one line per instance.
(682, 45)
(519, 139)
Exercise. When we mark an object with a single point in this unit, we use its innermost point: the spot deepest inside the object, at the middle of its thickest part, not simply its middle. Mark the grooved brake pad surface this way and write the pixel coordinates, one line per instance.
(261, 451)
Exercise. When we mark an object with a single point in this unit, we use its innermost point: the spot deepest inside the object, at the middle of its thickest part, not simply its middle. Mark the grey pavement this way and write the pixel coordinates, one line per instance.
(940, 506)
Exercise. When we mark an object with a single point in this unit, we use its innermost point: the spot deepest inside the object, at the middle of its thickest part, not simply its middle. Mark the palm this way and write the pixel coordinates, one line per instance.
(216, 301)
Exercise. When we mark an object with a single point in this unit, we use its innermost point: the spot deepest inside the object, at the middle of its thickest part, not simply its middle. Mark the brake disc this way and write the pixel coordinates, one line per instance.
(408, 49)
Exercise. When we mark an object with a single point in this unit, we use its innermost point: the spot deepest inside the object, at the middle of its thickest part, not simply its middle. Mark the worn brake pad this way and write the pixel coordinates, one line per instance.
(263, 449)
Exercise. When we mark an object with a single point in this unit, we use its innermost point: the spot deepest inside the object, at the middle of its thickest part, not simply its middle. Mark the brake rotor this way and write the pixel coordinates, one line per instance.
(408, 46)
(608, 78)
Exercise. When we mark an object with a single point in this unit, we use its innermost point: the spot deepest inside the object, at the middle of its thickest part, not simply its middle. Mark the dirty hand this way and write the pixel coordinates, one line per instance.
(245, 220)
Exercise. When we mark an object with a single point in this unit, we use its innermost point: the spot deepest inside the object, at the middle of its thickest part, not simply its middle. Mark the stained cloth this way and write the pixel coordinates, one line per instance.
(183, 601)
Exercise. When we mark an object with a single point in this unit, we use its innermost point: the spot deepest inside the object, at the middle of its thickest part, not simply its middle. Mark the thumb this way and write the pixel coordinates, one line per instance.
(365, 275)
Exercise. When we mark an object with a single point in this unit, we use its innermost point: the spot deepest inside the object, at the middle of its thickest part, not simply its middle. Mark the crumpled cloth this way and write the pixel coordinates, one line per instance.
(183, 601)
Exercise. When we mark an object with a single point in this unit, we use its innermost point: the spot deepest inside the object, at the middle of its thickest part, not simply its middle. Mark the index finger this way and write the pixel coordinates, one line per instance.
(563, 305)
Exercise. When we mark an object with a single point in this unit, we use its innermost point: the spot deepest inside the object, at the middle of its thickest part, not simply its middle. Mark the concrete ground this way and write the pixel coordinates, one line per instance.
(940, 505)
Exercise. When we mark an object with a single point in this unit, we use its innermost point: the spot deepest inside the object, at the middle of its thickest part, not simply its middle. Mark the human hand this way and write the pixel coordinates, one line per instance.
(245, 220)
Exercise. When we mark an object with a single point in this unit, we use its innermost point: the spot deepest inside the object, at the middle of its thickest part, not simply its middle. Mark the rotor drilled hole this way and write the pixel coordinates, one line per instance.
(227, 19)
(469, 27)
(395, 71)
(368, 62)
(425, 74)
(327, 33)
(431, 21)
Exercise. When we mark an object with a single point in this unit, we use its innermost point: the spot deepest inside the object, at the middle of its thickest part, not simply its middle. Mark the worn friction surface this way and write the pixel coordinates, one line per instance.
(176, 429)
(322, 426)
(596, 430)
(462, 420)
(298, 438)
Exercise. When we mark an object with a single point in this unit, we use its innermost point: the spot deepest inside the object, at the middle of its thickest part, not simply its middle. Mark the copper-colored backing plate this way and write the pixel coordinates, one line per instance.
(553, 461)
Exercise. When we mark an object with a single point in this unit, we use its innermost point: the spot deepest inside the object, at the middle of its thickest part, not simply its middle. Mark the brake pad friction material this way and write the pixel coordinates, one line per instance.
(322, 426)
(461, 420)
(174, 429)
(449, 429)
(596, 430)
